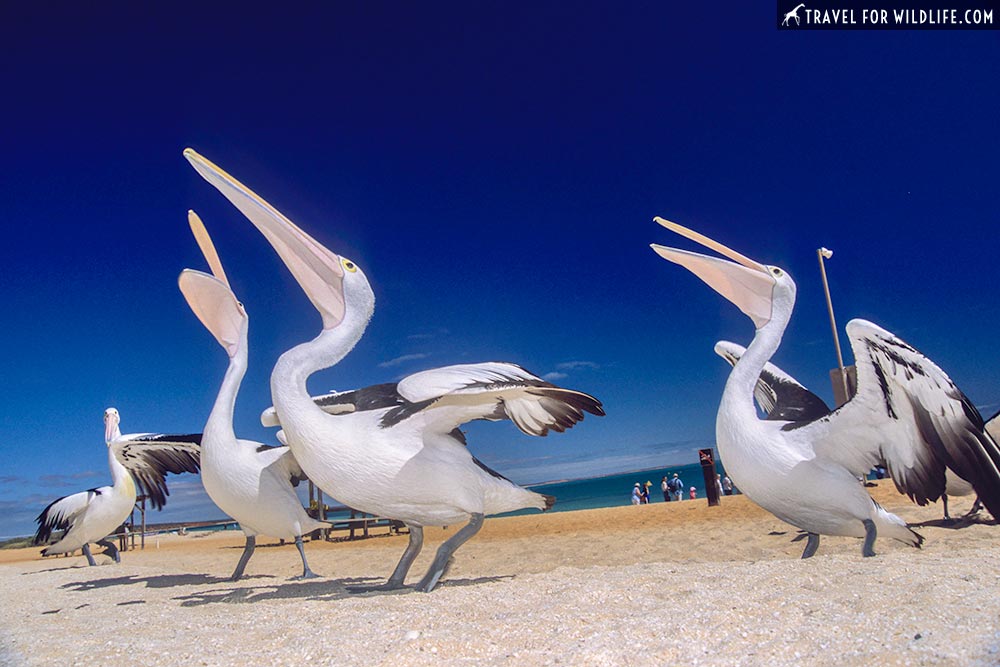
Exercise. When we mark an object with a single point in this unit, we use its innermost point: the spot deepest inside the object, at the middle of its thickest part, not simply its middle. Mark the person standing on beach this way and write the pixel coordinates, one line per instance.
(727, 485)
(694, 493)
(718, 485)
(666, 490)
(645, 493)
(677, 487)
(636, 494)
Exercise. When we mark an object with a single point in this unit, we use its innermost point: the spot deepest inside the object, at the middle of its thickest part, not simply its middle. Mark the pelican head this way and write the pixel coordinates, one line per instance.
(111, 421)
(762, 292)
(334, 284)
(216, 306)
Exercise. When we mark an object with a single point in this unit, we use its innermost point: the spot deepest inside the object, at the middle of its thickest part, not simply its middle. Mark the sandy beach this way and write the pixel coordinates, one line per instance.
(678, 583)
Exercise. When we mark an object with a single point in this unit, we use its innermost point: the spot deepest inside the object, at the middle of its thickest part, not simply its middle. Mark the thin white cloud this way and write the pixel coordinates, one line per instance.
(59, 479)
(554, 375)
(574, 365)
(427, 335)
(402, 360)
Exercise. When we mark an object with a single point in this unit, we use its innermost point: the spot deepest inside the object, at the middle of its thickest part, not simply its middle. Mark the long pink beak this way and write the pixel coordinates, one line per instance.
(318, 270)
(745, 283)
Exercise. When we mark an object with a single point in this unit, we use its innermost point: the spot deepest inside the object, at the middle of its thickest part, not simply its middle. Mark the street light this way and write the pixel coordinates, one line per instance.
(821, 254)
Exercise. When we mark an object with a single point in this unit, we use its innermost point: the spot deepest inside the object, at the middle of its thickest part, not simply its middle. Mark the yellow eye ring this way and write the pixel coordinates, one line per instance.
(348, 265)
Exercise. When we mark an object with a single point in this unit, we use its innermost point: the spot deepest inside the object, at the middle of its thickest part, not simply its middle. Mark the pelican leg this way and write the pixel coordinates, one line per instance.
(413, 548)
(86, 552)
(306, 572)
(245, 558)
(812, 544)
(870, 533)
(944, 502)
(443, 558)
(976, 507)
(110, 550)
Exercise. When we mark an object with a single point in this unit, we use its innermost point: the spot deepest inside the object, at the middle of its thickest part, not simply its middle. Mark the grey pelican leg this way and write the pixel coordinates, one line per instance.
(445, 551)
(306, 572)
(976, 507)
(944, 502)
(870, 533)
(413, 548)
(86, 552)
(812, 544)
(110, 550)
(247, 552)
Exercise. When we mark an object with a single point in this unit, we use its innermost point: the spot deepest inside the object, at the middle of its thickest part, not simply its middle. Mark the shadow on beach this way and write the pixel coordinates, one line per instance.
(155, 581)
(954, 524)
(322, 590)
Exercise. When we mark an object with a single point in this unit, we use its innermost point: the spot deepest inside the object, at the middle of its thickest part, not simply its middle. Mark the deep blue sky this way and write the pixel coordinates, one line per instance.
(494, 168)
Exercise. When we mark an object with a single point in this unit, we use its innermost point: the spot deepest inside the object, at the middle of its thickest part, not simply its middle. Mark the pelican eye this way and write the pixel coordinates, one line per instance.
(776, 271)
(348, 265)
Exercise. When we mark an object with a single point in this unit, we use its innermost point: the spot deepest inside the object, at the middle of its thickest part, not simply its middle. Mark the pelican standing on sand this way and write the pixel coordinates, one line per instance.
(782, 397)
(249, 481)
(806, 473)
(90, 516)
(394, 450)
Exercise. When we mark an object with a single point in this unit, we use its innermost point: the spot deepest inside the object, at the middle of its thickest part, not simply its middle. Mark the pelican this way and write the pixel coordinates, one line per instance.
(805, 473)
(249, 481)
(394, 450)
(90, 516)
(782, 397)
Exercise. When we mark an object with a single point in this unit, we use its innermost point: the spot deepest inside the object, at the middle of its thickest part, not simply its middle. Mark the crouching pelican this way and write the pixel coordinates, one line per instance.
(805, 473)
(916, 466)
(249, 481)
(394, 450)
(90, 516)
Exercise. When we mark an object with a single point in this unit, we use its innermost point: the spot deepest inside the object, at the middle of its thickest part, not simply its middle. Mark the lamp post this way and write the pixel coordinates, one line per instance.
(821, 254)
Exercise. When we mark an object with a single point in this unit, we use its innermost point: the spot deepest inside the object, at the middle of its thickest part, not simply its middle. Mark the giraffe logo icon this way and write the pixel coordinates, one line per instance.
(794, 14)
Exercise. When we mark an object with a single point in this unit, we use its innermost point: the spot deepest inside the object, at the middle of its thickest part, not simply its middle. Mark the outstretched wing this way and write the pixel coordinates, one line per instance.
(909, 411)
(778, 394)
(62, 512)
(376, 397)
(454, 395)
(150, 456)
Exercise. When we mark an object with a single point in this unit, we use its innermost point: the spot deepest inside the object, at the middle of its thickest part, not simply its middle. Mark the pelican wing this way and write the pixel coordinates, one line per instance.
(778, 394)
(284, 457)
(910, 412)
(62, 513)
(150, 456)
(454, 395)
(344, 402)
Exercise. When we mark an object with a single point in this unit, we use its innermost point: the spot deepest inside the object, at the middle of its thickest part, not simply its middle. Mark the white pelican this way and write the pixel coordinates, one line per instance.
(90, 516)
(806, 473)
(394, 450)
(251, 482)
(782, 397)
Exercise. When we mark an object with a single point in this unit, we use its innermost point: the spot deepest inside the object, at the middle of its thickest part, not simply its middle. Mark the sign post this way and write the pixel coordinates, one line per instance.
(708, 470)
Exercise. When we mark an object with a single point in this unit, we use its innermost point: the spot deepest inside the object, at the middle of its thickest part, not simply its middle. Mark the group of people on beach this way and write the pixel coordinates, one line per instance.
(673, 489)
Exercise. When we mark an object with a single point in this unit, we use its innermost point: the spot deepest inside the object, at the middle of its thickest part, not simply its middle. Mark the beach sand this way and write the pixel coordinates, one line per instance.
(662, 584)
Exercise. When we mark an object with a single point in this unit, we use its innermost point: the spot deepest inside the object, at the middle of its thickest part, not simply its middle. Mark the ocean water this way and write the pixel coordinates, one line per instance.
(616, 490)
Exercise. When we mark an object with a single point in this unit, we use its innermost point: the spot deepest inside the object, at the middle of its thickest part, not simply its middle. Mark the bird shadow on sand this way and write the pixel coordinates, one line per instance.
(240, 593)
(312, 589)
(155, 581)
(954, 524)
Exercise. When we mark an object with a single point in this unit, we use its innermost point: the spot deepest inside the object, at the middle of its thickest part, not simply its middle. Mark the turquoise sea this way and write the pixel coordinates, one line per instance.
(616, 490)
